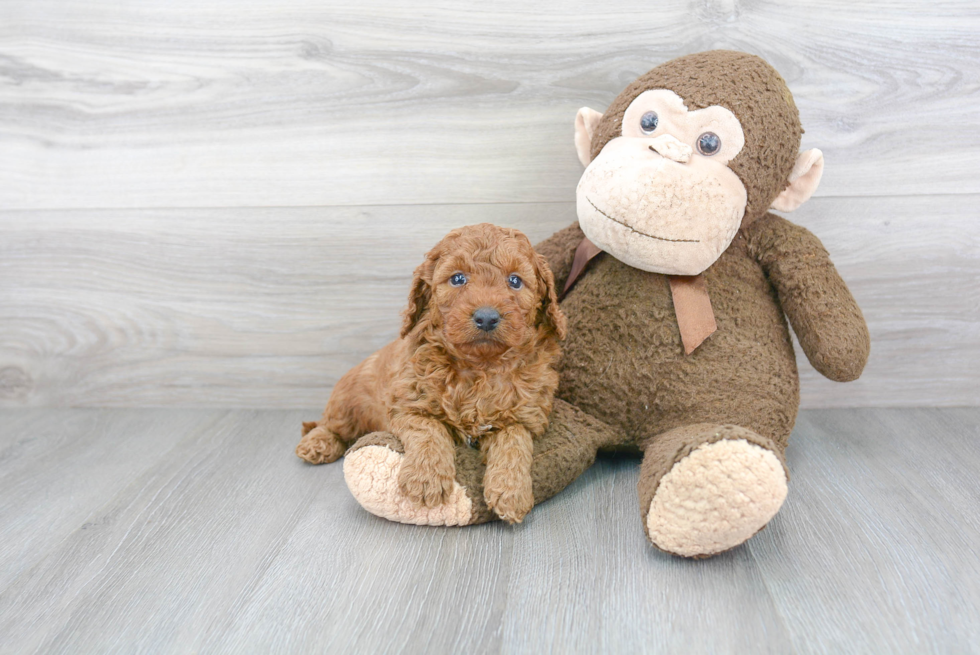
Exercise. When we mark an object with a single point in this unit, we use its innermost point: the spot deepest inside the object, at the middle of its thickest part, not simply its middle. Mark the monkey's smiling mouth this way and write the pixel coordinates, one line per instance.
(633, 229)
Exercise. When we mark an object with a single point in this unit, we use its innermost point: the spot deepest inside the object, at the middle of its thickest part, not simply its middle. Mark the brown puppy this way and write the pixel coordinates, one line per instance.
(474, 364)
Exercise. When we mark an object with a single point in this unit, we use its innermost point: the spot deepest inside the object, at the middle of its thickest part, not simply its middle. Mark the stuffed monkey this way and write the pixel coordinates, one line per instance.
(679, 284)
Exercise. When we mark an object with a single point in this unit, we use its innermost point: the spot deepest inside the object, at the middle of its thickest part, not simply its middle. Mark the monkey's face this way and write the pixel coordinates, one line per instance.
(661, 196)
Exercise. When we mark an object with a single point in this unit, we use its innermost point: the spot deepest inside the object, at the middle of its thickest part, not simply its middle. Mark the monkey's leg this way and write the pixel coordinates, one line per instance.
(705, 488)
(566, 449)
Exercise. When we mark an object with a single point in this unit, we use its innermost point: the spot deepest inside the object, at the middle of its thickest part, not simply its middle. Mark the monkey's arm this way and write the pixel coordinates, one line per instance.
(822, 311)
(559, 250)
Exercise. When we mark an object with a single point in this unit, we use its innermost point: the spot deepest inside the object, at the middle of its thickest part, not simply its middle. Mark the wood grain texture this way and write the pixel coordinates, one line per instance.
(629, 597)
(218, 203)
(218, 539)
(304, 103)
(269, 307)
(156, 563)
(237, 308)
(881, 519)
(66, 466)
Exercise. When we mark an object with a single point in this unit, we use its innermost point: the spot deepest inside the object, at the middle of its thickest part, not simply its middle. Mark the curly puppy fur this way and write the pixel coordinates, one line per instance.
(446, 380)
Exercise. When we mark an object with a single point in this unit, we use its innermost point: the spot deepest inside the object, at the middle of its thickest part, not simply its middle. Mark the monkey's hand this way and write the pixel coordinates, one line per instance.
(819, 306)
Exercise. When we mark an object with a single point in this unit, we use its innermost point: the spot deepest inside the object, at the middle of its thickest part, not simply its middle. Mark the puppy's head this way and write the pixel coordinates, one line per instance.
(485, 290)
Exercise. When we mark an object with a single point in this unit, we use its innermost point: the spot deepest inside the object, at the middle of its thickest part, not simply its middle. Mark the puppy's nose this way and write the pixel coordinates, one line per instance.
(486, 318)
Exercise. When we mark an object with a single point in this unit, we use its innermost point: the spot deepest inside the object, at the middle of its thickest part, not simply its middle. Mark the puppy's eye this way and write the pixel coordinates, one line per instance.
(648, 122)
(457, 280)
(515, 282)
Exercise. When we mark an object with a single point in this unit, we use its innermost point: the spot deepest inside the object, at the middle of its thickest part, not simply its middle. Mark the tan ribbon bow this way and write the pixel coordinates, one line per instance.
(692, 306)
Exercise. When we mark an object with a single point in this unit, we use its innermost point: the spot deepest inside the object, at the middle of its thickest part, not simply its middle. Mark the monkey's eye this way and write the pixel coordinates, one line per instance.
(457, 280)
(709, 143)
(515, 282)
(648, 122)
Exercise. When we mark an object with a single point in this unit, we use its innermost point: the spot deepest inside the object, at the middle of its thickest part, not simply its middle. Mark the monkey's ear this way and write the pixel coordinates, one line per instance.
(420, 295)
(550, 313)
(803, 181)
(585, 122)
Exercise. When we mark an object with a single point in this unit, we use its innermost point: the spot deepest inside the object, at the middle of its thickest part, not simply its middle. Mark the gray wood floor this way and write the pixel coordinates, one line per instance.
(175, 530)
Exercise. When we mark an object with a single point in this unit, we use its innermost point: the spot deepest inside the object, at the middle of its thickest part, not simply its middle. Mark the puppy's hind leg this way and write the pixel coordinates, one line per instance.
(349, 414)
(319, 445)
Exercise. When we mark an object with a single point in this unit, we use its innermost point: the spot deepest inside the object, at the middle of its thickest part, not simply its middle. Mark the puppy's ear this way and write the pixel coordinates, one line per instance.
(550, 313)
(421, 293)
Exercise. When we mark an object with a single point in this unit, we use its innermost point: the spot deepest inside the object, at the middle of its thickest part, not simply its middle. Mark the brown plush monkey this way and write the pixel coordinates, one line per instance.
(679, 286)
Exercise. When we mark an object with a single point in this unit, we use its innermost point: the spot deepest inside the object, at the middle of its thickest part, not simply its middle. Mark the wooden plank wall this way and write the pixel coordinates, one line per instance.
(217, 203)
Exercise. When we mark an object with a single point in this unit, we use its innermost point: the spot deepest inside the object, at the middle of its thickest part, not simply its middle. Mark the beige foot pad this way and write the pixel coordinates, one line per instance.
(371, 473)
(716, 498)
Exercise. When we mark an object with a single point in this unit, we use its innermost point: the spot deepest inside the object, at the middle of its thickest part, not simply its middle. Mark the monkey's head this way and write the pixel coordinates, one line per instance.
(686, 155)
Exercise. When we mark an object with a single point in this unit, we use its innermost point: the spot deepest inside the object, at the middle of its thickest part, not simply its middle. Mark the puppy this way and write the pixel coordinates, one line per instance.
(474, 364)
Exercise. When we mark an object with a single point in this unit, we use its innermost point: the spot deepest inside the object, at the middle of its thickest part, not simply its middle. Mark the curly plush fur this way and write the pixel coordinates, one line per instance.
(447, 381)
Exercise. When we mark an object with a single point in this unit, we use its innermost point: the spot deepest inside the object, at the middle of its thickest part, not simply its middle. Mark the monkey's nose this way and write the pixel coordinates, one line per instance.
(667, 146)
(486, 318)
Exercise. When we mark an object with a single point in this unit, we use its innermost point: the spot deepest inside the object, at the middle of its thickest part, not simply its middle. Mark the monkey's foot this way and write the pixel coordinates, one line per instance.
(371, 469)
(715, 498)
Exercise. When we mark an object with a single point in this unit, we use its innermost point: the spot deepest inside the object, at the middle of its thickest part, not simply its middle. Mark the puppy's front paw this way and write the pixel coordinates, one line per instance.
(320, 446)
(509, 495)
(427, 480)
